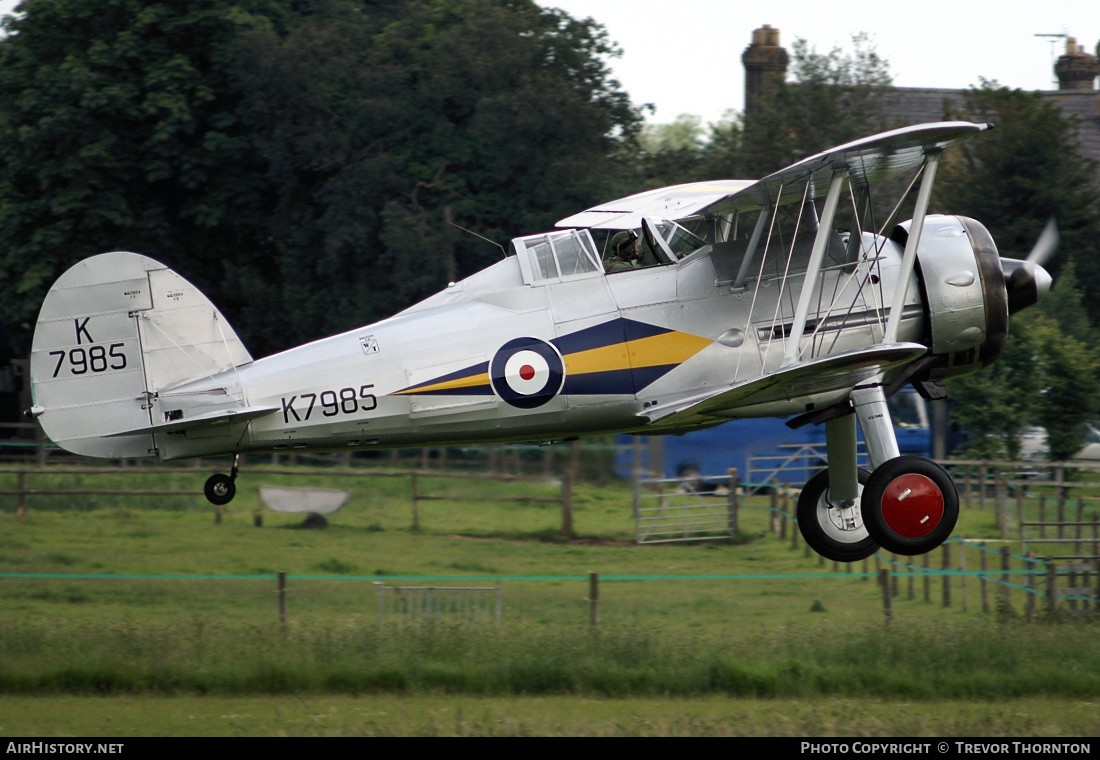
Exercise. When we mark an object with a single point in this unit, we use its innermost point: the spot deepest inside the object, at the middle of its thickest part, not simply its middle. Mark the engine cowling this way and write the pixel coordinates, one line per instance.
(965, 296)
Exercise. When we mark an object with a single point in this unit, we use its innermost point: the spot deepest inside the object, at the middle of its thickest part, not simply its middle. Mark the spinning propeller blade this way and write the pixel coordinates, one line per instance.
(1026, 281)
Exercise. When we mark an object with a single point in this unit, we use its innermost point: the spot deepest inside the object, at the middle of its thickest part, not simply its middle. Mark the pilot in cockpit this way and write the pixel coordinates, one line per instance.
(626, 252)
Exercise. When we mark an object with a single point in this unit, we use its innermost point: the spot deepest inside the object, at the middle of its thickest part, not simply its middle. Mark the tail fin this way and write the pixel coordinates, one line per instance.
(114, 331)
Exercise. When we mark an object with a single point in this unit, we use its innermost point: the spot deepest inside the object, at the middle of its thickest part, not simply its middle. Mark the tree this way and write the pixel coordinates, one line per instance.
(833, 98)
(1025, 171)
(119, 130)
(1014, 179)
(297, 159)
(382, 122)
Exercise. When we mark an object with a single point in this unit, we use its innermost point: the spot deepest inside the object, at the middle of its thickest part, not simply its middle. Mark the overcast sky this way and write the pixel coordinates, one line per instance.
(684, 56)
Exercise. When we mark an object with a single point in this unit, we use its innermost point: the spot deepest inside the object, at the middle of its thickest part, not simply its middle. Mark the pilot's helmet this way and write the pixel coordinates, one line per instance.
(622, 245)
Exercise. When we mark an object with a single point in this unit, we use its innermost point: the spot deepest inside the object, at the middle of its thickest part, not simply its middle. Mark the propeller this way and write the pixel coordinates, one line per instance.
(1026, 281)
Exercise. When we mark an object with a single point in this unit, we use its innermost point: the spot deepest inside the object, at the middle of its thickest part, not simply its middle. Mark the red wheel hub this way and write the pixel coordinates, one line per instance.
(912, 505)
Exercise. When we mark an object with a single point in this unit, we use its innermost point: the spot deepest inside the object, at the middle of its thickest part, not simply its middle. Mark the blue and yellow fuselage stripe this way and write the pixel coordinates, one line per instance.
(620, 356)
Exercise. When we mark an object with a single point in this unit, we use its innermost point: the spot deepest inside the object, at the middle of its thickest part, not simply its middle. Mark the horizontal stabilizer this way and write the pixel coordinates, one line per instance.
(222, 417)
(829, 375)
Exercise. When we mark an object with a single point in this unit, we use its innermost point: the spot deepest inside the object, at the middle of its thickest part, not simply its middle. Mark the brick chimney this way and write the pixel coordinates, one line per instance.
(765, 66)
(1077, 69)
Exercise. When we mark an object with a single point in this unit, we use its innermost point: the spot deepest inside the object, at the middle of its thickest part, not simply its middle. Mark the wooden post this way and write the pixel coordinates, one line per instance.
(21, 486)
(1029, 607)
(784, 510)
(593, 599)
(1052, 585)
(962, 577)
(1006, 590)
(773, 503)
(946, 577)
(984, 583)
(983, 473)
(282, 600)
(1078, 548)
(734, 485)
(887, 604)
(1000, 491)
(415, 483)
(567, 502)
(1042, 516)
(927, 581)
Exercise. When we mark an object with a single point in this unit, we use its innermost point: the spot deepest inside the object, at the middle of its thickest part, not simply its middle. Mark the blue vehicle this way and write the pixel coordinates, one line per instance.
(765, 448)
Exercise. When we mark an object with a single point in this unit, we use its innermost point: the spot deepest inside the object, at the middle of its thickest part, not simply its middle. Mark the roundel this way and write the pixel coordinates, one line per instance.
(527, 372)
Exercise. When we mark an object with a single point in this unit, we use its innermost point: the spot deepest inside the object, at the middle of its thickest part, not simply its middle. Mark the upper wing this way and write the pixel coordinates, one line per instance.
(867, 161)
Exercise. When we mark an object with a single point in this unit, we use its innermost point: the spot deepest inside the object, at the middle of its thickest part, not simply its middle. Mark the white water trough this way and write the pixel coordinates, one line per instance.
(318, 501)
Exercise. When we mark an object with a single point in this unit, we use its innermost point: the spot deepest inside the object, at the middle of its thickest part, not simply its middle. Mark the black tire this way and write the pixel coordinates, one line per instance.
(910, 505)
(829, 532)
(219, 489)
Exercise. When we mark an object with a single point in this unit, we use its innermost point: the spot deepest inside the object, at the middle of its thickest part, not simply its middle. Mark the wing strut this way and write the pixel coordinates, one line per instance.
(909, 257)
(817, 255)
(754, 243)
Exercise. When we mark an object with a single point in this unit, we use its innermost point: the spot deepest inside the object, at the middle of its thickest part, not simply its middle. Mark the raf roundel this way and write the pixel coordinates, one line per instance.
(527, 372)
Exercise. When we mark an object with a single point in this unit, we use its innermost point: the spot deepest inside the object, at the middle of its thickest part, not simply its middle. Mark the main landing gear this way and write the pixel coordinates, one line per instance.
(221, 488)
(907, 504)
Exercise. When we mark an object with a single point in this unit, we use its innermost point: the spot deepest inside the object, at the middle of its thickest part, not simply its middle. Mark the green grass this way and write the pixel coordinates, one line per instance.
(784, 627)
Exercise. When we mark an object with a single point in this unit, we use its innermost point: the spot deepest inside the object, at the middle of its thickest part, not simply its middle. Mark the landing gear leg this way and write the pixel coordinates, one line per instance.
(220, 488)
(910, 504)
(829, 515)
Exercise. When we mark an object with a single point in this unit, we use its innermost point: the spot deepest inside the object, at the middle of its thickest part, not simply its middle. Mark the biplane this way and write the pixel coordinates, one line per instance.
(661, 313)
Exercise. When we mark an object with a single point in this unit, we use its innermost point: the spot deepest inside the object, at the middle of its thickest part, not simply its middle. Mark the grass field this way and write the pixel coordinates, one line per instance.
(751, 637)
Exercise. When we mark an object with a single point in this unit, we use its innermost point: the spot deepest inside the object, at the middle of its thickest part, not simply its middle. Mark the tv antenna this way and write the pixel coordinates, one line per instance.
(1053, 59)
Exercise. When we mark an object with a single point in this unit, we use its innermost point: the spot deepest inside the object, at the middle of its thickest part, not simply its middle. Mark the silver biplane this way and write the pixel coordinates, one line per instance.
(664, 312)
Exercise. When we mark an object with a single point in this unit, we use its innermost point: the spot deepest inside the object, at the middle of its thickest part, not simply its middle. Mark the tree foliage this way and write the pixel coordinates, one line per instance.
(298, 160)
(1025, 171)
(831, 98)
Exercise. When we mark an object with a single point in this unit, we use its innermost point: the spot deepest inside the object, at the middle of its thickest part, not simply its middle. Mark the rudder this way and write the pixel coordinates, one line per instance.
(114, 331)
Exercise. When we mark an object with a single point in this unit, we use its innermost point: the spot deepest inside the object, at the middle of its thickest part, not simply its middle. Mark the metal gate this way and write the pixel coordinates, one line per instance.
(697, 508)
(400, 605)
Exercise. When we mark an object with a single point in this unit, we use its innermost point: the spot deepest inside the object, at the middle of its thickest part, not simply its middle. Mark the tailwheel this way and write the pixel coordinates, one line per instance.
(834, 530)
(220, 489)
(910, 505)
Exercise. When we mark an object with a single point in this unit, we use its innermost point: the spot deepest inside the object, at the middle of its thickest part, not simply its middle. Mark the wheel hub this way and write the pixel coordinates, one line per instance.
(912, 505)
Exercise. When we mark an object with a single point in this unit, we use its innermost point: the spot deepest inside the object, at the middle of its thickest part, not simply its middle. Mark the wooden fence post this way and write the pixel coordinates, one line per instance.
(946, 577)
(1029, 604)
(887, 604)
(927, 581)
(962, 577)
(1052, 585)
(1006, 589)
(567, 502)
(415, 483)
(593, 599)
(1000, 492)
(21, 486)
(984, 584)
(734, 485)
(282, 600)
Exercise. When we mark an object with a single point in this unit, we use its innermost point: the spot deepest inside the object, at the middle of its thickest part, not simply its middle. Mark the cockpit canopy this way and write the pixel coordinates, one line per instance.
(573, 253)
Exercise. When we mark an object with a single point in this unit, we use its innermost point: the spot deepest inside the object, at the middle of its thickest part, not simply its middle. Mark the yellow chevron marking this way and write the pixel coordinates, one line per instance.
(462, 382)
(604, 359)
(656, 350)
(666, 348)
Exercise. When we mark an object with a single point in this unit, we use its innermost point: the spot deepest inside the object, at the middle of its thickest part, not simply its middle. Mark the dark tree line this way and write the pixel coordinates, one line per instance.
(301, 162)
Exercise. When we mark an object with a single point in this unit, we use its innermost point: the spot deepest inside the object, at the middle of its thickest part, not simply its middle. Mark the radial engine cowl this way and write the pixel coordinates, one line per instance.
(965, 296)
